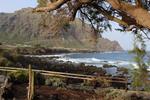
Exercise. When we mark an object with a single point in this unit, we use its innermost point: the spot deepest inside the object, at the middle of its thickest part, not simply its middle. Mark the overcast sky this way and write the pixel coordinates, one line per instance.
(125, 39)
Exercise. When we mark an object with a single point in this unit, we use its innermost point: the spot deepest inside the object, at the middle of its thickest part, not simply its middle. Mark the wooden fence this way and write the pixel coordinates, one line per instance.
(68, 75)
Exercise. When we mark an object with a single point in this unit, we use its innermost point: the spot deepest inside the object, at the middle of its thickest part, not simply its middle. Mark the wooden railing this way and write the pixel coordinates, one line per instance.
(68, 75)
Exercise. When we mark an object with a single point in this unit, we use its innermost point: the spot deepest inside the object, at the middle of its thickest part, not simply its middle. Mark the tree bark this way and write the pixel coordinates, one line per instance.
(141, 16)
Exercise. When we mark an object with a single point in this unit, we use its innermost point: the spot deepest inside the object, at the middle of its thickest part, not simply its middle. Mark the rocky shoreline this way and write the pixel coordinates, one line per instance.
(35, 50)
(15, 56)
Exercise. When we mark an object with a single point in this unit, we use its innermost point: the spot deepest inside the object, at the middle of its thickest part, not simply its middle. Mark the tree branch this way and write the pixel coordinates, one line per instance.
(146, 34)
(109, 16)
(139, 3)
(131, 14)
(89, 19)
(141, 15)
(85, 1)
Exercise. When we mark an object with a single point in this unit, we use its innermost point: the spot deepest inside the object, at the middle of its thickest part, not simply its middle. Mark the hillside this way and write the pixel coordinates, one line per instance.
(26, 27)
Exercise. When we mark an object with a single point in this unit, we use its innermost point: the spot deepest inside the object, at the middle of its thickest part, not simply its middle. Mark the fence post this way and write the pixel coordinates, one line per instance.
(31, 84)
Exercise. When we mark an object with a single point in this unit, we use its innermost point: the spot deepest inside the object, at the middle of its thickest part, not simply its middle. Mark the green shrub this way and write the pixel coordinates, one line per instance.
(56, 82)
(3, 61)
(103, 82)
(19, 77)
(86, 83)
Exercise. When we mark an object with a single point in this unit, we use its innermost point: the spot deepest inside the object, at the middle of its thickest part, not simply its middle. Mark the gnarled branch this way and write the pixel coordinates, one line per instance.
(138, 13)
(130, 14)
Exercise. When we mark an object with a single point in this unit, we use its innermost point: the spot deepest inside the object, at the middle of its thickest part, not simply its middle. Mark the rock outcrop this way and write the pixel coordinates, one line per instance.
(26, 27)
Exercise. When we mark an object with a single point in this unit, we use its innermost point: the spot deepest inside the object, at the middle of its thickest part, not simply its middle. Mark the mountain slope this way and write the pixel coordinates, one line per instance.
(26, 27)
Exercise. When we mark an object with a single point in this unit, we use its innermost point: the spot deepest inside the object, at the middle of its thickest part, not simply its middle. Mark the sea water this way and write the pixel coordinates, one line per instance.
(119, 59)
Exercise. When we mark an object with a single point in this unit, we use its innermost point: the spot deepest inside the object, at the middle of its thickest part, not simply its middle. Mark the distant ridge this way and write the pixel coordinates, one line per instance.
(26, 27)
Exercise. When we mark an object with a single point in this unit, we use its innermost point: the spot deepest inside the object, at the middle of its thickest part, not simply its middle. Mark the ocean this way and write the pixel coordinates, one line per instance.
(119, 59)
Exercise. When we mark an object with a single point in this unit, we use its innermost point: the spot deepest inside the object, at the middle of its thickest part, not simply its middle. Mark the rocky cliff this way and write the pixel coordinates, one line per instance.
(26, 27)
